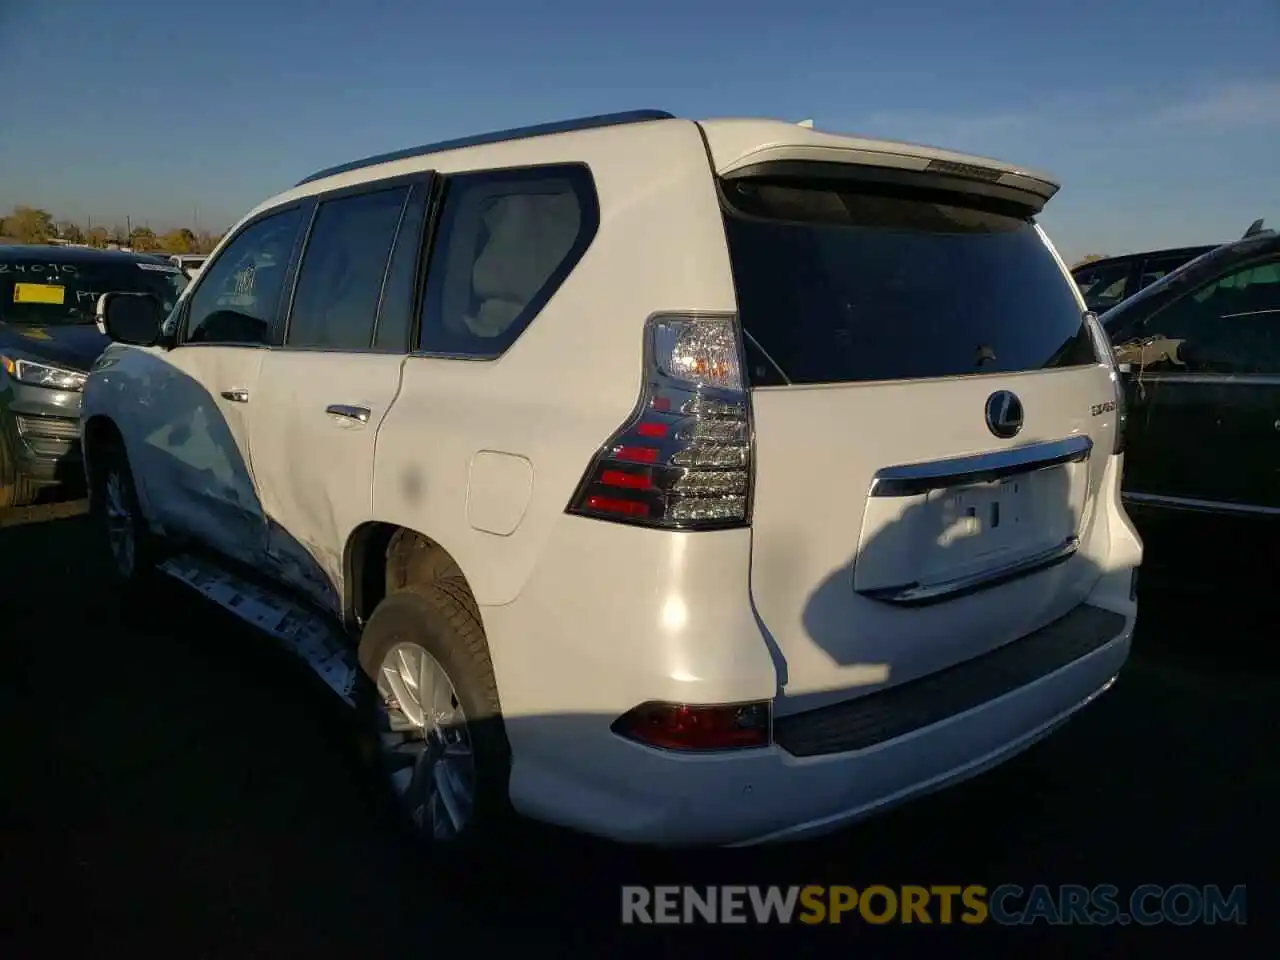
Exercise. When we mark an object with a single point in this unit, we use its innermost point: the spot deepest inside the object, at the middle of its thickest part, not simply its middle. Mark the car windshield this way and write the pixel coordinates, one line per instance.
(53, 291)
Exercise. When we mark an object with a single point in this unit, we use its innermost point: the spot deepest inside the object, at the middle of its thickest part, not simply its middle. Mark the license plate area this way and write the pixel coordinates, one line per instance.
(981, 519)
(967, 529)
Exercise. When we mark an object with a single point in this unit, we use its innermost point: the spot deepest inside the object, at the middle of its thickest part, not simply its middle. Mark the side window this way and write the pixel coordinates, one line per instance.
(1154, 268)
(1104, 287)
(239, 293)
(1229, 325)
(505, 242)
(395, 317)
(340, 279)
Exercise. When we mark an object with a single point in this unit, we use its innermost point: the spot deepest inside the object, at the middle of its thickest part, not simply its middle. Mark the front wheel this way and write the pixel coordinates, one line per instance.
(15, 489)
(113, 502)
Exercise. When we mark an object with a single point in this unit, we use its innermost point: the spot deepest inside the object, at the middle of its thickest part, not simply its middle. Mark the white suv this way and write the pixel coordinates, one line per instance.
(680, 482)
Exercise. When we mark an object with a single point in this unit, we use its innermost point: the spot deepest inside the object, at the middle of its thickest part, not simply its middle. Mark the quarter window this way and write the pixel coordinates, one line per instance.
(239, 294)
(340, 280)
(505, 242)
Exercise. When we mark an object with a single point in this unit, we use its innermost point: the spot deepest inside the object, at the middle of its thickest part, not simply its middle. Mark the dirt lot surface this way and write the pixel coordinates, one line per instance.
(171, 781)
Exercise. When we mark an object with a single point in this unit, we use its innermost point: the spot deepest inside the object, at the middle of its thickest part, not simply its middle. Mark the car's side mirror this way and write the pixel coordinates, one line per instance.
(134, 318)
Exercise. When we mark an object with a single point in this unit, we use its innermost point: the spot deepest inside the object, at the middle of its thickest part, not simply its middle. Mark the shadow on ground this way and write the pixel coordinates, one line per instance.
(172, 780)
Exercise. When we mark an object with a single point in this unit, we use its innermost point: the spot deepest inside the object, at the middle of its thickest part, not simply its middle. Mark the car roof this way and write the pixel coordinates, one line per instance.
(732, 142)
(1166, 252)
(41, 253)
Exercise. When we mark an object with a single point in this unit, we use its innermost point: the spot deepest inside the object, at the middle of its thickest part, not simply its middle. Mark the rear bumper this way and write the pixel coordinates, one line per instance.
(623, 791)
(670, 616)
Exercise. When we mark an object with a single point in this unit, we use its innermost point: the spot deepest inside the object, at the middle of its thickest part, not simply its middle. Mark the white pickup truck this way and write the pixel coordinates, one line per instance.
(189, 263)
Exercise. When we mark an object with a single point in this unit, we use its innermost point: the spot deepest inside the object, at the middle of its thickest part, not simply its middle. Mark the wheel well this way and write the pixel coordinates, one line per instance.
(97, 431)
(376, 548)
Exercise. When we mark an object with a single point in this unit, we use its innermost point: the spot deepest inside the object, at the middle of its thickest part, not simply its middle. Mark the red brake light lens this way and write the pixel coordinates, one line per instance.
(683, 460)
(678, 726)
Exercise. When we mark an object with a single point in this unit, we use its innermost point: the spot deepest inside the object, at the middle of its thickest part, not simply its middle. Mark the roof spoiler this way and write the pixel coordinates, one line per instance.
(1255, 229)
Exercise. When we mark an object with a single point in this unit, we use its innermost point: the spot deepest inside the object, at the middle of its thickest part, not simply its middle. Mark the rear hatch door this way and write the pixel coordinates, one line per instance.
(931, 422)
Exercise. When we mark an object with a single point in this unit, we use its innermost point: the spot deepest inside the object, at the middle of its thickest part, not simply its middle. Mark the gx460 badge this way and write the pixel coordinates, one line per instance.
(1101, 408)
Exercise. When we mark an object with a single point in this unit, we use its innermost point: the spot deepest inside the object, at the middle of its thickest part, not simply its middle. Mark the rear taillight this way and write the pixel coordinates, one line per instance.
(1122, 411)
(683, 459)
(679, 726)
(1102, 346)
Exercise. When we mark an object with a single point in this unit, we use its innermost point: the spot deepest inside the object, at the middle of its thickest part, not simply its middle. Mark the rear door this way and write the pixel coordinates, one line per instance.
(932, 423)
(324, 393)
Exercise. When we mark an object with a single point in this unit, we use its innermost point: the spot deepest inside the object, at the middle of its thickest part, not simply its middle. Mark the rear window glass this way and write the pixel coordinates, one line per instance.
(841, 285)
(55, 291)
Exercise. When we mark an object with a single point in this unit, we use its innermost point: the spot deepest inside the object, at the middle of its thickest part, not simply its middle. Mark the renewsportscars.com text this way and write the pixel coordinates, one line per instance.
(1007, 904)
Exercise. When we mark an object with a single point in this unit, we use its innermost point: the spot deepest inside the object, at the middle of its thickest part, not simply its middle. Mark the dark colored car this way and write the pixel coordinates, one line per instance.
(1105, 283)
(48, 341)
(1202, 349)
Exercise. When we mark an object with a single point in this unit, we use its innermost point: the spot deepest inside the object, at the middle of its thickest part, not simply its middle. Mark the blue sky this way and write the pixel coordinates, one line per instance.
(1162, 117)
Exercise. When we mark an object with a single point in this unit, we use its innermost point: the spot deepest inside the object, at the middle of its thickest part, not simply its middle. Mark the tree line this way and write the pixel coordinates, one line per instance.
(1088, 259)
(25, 224)
(33, 225)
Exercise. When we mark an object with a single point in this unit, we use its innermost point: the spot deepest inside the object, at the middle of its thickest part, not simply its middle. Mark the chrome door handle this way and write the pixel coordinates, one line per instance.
(236, 396)
(348, 412)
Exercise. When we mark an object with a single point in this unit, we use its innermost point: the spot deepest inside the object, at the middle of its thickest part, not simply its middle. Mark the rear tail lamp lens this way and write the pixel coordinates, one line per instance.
(683, 459)
(677, 726)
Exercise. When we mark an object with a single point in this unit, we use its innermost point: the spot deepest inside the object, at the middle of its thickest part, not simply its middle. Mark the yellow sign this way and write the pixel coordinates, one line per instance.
(38, 293)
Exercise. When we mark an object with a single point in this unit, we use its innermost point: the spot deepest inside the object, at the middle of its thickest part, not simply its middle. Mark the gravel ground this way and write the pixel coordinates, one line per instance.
(170, 780)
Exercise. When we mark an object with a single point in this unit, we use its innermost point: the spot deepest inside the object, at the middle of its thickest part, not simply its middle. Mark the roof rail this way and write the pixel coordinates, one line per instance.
(498, 136)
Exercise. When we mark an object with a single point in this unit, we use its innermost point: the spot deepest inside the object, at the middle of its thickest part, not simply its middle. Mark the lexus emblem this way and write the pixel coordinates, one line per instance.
(1004, 414)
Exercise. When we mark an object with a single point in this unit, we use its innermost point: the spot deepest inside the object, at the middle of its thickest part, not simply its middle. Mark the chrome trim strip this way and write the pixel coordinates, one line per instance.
(1211, 379)
(1203, 506)
(916, 478)
(919, 595)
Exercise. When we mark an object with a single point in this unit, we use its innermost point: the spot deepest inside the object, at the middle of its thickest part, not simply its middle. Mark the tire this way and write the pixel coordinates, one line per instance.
(411, 559)
(438, 624)
(15, 490)
(131, 549)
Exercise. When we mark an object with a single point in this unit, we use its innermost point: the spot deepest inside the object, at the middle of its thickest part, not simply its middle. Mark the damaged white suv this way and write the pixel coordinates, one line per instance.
(680, 482)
